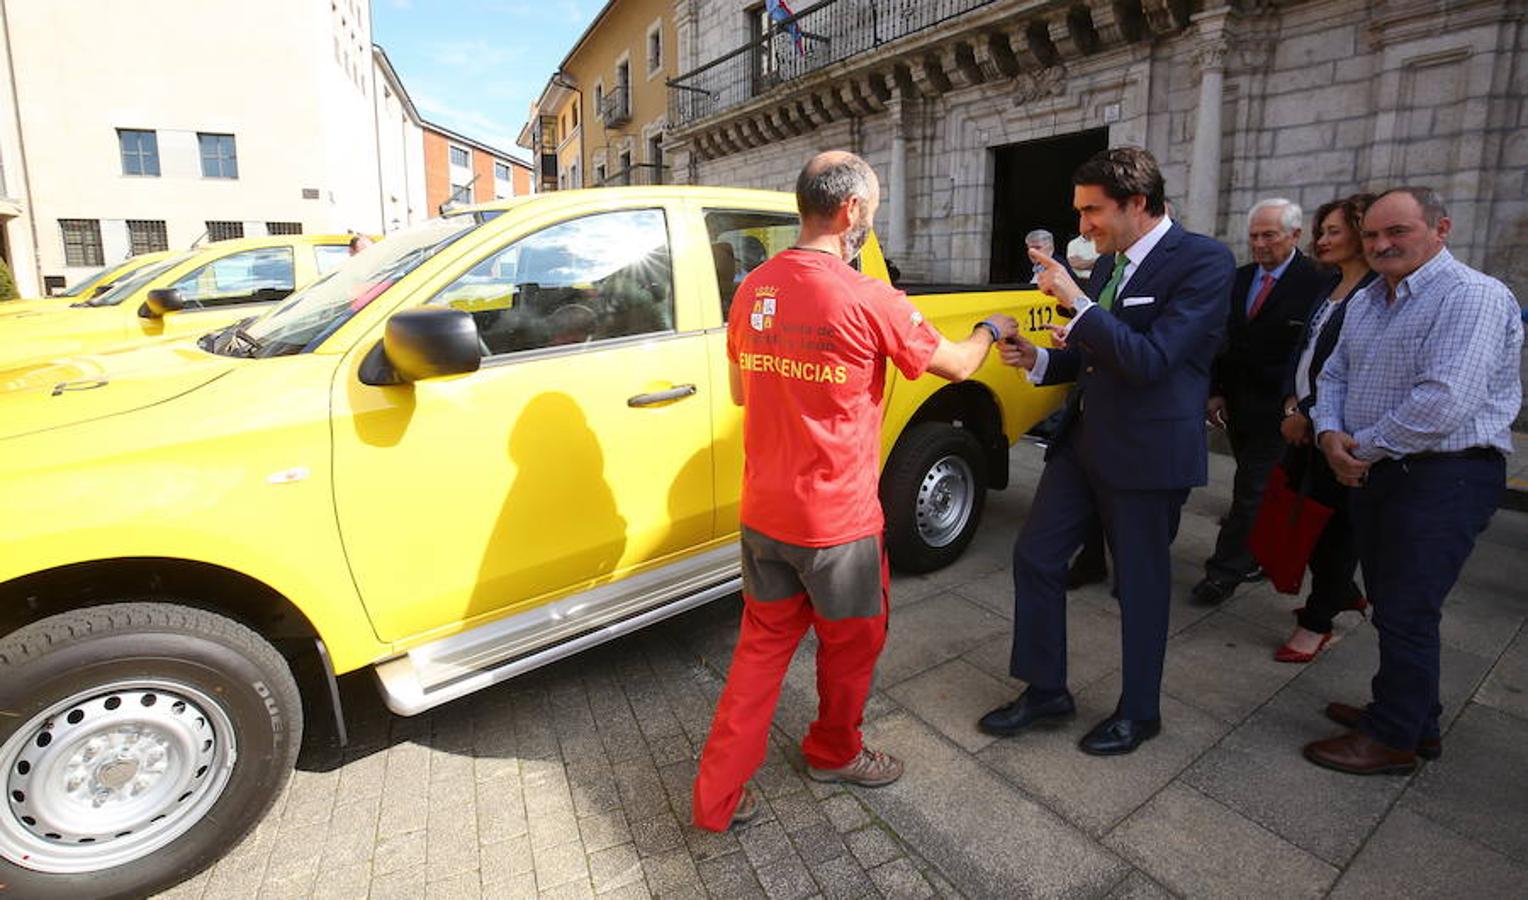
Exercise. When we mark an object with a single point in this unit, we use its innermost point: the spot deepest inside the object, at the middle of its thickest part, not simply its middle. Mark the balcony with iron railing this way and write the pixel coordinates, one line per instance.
(615, 108)
(825, 33)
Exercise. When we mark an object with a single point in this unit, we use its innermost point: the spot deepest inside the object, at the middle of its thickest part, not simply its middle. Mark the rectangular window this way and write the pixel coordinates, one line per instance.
(283, 228)
(461, 193)
(140, 152)
(741, 240)
(655, 48)
(501, 171)
(219, 159)
(224, 231)
(82, 242)
(460, 157)
(147, 236)
(655, 158)
(600, 277)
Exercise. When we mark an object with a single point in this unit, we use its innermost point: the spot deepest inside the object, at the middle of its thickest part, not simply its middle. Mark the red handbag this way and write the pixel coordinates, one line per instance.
(1285, 532)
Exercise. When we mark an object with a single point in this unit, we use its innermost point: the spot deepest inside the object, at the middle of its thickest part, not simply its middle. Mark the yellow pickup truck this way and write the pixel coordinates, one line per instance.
(181, 294)
(488, 442)
(97, 283)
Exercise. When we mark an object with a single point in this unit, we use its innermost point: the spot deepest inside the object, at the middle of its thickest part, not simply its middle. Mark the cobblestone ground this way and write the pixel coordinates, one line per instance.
(574, 781)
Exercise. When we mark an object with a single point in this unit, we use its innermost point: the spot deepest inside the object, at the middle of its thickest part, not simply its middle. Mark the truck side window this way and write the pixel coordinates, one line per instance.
(741, 240)
(599, 277)
(249, 276)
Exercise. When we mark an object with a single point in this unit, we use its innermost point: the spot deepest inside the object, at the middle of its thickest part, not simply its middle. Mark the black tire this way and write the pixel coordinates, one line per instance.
(195, 688)
(933, 466)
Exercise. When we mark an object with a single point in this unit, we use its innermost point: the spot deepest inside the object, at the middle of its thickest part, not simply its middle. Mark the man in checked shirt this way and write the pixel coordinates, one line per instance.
(1414, 409)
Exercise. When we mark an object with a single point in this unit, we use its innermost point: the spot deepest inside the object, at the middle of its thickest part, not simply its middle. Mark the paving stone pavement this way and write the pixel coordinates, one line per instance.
(574, 781)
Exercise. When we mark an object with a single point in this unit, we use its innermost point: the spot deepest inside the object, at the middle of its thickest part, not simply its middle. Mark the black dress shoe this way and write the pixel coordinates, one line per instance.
(1117, 735)
(1009, 720)
(1212, 591)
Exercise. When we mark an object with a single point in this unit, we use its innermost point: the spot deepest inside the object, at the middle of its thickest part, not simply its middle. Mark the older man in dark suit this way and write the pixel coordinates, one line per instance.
(1269, 303)
(1130, 445)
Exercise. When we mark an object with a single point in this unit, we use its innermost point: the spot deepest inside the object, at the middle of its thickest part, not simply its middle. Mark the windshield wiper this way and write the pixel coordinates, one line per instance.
(253, 343)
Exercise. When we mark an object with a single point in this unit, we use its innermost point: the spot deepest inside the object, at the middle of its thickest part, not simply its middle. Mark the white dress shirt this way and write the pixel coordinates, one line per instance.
(1135, 254)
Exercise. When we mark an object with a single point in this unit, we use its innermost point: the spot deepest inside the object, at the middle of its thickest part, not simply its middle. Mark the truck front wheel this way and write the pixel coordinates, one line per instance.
(932, 491)
(141, 742)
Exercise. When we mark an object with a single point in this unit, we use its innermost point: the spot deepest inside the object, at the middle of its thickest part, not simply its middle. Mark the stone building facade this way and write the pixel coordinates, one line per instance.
(974, 112)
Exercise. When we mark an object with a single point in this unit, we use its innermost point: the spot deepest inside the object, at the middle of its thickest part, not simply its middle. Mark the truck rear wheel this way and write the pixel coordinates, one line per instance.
(143, 741)
(932, 491)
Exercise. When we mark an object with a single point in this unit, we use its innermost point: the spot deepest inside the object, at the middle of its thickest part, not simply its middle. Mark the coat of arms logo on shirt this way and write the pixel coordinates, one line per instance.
(763, 316)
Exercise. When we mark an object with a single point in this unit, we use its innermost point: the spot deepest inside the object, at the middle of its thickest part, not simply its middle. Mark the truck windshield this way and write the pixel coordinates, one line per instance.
(304, 319)
(130, 285)
(83, 287)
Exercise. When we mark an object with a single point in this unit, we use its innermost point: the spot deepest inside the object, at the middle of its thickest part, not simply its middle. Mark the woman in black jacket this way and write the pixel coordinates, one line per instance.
(1334, 561)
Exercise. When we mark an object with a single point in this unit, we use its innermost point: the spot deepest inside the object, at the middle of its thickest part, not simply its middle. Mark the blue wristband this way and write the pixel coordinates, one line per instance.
(992, 329)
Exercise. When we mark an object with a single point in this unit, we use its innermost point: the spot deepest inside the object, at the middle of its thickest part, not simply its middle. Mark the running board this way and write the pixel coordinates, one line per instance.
(453, 667)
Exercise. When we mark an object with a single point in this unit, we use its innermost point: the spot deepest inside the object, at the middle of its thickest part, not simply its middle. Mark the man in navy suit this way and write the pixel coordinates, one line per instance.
(1130, 445)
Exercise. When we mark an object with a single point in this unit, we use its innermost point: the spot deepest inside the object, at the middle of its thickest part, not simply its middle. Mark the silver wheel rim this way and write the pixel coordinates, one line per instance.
(112, 774)
(945, 498)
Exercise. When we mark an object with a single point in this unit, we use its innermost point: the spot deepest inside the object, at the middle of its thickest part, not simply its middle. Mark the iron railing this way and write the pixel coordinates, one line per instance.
(825, 33)
(615, 109)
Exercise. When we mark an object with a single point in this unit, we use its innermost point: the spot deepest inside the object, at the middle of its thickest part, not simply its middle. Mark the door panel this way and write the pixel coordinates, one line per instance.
(580, 453)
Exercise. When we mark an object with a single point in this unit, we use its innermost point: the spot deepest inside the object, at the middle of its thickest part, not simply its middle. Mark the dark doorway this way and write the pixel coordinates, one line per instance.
(1032, 188)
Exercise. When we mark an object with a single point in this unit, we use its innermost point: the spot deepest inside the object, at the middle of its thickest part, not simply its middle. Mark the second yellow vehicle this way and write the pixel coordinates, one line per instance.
(178, 295)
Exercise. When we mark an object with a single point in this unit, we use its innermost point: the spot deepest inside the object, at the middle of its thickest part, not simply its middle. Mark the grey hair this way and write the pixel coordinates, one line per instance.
(1290, 213)
(1040, 236)
(1433, 210)
(821, 192)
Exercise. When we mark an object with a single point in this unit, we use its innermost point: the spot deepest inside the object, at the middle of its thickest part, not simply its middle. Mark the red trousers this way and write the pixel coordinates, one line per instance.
(846, 654)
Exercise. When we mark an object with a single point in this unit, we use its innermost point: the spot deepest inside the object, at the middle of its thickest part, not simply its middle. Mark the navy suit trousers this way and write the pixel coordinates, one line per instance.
(1139, 527)
(1416, 522)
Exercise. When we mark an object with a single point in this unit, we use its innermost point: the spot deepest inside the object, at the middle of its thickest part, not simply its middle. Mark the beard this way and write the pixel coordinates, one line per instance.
(854, 240)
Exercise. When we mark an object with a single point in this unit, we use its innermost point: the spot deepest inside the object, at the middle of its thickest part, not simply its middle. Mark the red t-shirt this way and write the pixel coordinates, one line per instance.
(811, 337)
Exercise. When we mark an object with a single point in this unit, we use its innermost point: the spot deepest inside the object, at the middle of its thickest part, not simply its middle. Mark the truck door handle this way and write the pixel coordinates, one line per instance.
(657, 397)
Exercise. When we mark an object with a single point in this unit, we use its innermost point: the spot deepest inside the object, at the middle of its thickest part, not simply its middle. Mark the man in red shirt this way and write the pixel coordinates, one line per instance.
(808, 338)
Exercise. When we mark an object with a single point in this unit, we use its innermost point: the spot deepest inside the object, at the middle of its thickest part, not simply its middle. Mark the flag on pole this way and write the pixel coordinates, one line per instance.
(782, 14)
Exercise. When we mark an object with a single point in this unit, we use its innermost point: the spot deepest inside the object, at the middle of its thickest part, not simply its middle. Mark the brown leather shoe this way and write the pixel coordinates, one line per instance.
(1358, 754)
(1347, 716)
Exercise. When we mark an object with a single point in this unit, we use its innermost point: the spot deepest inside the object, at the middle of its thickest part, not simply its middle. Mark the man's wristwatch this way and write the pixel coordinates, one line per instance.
(991, 329)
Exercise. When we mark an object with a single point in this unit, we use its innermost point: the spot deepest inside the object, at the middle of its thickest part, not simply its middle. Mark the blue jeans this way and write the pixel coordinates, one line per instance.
(1416, 521)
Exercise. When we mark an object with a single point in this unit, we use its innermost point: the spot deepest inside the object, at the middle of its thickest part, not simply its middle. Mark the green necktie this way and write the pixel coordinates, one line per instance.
(1106, 299)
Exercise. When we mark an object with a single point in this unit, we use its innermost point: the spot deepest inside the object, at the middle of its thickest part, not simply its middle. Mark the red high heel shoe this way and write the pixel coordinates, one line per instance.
(1289, 654)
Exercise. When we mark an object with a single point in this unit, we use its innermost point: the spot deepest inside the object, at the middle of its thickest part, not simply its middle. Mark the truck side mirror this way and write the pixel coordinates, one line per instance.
(429, 342)
(161, 301)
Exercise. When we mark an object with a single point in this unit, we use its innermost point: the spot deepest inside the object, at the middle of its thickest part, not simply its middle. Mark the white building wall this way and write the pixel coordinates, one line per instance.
(290, 79)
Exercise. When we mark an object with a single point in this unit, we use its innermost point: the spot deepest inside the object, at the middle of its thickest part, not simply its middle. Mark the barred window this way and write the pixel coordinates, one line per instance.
(219, 158)
(82, 242)
(140, 151)
(222, 231)
(283, 228)
(147, 236)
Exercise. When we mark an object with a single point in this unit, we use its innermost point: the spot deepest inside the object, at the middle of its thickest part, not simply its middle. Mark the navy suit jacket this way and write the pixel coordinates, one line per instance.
(1254, 360)
(1143, 369)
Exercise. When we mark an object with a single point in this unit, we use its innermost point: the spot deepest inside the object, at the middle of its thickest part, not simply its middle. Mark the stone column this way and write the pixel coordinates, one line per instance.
(1204, 163)
(900, 241)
